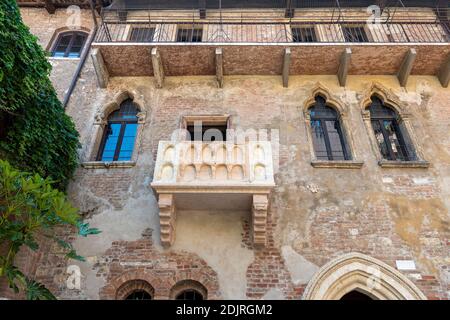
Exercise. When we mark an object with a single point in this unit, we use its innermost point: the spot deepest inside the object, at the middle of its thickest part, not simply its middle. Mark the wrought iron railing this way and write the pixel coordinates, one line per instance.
(271, 26)
(267, 4)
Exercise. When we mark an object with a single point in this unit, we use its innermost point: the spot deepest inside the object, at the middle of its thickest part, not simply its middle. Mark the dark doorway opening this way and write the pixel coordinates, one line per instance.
(356, 295)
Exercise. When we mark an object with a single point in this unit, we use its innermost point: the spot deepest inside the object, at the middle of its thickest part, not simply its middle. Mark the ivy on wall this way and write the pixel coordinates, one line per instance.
(36, 135)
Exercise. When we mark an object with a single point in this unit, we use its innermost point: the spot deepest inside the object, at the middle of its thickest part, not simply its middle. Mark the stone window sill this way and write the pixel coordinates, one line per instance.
(403, 164)
(344, 164)
(108, 165)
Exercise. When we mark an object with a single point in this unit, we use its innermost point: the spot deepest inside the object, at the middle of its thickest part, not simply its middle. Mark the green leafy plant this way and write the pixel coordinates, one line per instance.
(30, 206)
(37, 136)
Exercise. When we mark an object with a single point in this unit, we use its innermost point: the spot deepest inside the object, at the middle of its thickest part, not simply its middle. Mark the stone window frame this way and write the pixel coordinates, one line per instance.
(343, 117)
(54, 39)
(356, 271)
(404, 120)
(100, 123)
(131, 286)
(188, 284)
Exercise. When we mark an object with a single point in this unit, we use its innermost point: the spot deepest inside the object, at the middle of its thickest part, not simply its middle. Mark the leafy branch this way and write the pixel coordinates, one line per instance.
(29, 207)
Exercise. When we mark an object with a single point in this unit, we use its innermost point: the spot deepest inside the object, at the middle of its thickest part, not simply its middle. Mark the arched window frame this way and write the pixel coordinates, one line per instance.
(185, 285)
(57, 39)
(357, 271)
(123, 123)
(100, 125)
(342, 116)
(403, 120)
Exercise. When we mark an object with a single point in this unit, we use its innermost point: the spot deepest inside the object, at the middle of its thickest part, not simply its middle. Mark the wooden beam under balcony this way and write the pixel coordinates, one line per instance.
(343, 66)
(406, 67)
(100, 68)
(158, 70)
(219, 67)
(444, 73)
(286, 64)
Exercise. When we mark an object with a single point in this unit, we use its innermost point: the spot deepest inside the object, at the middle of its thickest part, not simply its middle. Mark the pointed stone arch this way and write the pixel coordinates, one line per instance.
(115, 103)
(387, 96)
(356, 271)
(321, 90)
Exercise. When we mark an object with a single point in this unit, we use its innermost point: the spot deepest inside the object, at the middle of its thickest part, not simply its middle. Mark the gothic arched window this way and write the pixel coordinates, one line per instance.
(120, 133)
(328, 138)
(388, 132)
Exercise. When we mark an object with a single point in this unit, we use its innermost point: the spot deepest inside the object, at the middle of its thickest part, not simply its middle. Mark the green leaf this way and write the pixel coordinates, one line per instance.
(73, 255)
(84, 229)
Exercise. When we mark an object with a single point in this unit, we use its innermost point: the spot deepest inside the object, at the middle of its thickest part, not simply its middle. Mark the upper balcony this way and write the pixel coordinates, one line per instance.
(304, 41)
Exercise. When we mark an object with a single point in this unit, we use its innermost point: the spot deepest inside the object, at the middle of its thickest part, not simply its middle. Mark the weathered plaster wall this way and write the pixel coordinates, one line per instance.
(316, 214)
(46, 26)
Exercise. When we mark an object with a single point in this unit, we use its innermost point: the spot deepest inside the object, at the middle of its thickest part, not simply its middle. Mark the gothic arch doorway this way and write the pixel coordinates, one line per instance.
(355, 275)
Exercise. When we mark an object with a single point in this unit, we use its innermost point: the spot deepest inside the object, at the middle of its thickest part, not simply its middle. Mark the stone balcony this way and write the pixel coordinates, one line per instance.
(213, 175)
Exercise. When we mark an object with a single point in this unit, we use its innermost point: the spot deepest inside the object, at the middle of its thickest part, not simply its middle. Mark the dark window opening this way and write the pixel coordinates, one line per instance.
(69, 45)
(356, 295)
(387, 132)
(327, 135)
(120, 134)
(189, 34)
(189, 294)
(139, 295)
(141, 34)
(207, 132)
(355, 34)
(303, 34)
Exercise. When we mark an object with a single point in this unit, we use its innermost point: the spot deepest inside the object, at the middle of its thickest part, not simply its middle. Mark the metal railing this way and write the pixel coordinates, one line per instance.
(266, 4)
(271, 26)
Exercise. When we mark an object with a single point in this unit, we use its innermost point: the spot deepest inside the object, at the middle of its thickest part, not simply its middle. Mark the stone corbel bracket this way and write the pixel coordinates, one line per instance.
(260, 208)
(167, 219)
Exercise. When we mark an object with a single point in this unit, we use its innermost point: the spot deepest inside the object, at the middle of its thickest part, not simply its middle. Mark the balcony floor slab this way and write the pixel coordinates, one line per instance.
(181, 59)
